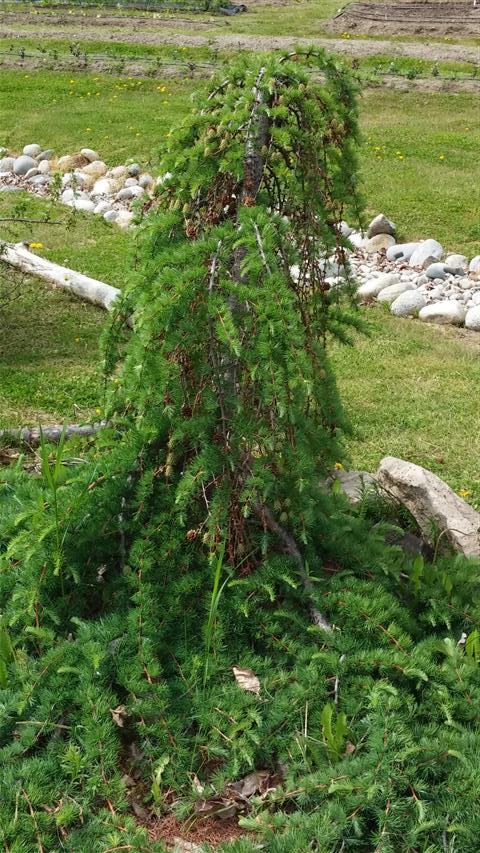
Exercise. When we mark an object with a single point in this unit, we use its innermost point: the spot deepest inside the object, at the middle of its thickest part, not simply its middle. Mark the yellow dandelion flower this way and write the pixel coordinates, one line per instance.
(35, 245)
(338, 466)
(441, 157)
(464, 493)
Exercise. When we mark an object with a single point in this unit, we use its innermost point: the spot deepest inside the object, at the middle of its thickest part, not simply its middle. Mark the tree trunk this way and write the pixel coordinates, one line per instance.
(31, 436)
(85, 288)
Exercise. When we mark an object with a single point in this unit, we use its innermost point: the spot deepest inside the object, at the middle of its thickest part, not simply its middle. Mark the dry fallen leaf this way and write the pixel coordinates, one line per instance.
(118, 715)
(235, 798)
(223, 806)
(247, 680)
(255, 783)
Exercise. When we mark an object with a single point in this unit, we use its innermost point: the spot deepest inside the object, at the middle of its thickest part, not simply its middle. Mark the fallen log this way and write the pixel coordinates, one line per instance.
(88, 289)
(31, 436)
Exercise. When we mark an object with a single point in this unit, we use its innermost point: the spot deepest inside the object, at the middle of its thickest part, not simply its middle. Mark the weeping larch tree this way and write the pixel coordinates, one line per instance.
(192, 603)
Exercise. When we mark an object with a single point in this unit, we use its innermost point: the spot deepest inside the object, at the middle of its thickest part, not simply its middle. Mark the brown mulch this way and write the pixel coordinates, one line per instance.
(205, 831)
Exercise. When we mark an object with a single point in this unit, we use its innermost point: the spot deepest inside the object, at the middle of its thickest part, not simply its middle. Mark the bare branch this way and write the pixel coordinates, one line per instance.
(291, 548)
(31, 436)
(262, 251)
(37, 221)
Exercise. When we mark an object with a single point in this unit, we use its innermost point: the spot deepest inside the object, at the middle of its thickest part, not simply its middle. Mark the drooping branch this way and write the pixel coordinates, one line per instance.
(291, 548)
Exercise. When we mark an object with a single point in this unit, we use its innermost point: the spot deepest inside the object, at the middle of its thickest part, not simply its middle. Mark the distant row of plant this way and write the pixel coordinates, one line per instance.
(76, 55)
(147, 5)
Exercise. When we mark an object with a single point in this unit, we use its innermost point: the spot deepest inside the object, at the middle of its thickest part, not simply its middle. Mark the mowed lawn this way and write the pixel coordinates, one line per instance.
(410, 390)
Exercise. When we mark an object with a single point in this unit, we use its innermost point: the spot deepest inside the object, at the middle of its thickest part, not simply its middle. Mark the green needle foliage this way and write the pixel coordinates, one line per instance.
(195, 536)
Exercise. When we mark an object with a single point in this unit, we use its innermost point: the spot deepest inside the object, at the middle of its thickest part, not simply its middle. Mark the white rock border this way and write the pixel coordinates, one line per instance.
(410, 277)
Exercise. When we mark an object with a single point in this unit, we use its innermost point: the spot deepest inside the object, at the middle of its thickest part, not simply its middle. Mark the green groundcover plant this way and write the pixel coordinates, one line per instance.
(187, 602)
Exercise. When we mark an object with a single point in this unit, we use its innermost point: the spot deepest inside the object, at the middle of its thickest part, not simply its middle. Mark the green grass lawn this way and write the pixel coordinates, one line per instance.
(121, 117)
(49, 358)
(419, 160)
(420, 164)
(411, 390)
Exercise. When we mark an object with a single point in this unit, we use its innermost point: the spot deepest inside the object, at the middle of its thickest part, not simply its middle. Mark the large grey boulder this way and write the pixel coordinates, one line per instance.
(32, 150)
(380, 225)
(391, 293)
(125, 194)
(426, 250)
(102, 207)
(459, 261)
(83, 204)
(146, 181)
(373, 287)
(23, 164)
(472, 320)
(408, 304)
(449, 312)
(436, 270)
(431, 502)
(104, 186)
(474, 265)
(6, 164)
(89, 154)
(379, 243)
(401, 251)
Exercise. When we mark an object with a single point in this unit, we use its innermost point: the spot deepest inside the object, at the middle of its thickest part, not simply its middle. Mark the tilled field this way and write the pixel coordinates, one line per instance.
(410, 17)
(184, 32)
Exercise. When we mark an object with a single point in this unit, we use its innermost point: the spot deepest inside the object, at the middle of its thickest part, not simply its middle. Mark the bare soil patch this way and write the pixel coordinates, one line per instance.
(186, 837)
(410, 17)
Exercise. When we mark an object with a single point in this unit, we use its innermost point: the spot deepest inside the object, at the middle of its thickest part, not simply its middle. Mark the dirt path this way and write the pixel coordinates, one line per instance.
(160, 31)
